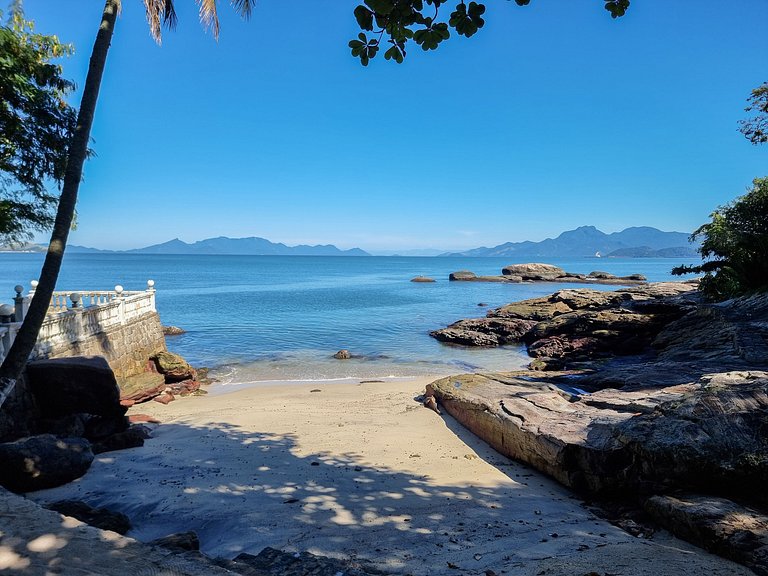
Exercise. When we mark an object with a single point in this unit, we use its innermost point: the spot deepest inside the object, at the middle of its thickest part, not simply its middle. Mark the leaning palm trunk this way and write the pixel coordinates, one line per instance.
(14, 363)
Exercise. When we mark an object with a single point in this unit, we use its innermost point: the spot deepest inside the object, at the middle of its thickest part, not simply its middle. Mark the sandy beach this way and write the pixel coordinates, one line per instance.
(360, 471)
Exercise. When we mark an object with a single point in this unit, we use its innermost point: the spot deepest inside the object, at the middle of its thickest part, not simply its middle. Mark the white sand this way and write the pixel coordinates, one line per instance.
(360, 471)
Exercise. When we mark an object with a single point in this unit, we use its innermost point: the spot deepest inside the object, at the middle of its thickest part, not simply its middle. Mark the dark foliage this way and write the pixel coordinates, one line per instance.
(735, 246)
(36, 124)
(422, 22)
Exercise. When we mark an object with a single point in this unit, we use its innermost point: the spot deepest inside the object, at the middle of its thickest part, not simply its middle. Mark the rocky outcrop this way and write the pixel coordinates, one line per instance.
(711, 434)
(422, 279)
(461, 275)
(578, 324)
(689, 414)
(484, 331)
(716, 524)
(43, 461)
(173, 367)
(535, 272)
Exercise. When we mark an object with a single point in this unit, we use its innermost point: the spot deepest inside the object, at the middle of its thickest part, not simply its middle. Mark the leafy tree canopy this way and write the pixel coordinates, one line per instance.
(735, 246)
(425, 22)
(35, 126)
(756, 127)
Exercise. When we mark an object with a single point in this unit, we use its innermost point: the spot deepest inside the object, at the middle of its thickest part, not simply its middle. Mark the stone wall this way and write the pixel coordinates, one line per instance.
(127, 346)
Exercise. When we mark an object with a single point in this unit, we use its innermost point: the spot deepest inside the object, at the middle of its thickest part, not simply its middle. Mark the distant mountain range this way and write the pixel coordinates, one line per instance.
(637, 242)
(251, 246)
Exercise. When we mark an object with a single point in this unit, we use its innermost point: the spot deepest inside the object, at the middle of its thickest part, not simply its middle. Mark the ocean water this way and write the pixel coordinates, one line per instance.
(274, 318)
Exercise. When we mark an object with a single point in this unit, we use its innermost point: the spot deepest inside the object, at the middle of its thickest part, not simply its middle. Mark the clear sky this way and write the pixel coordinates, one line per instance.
(551, 117)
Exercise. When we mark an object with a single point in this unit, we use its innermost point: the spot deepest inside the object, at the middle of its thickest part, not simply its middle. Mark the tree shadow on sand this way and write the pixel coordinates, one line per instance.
(242, 491)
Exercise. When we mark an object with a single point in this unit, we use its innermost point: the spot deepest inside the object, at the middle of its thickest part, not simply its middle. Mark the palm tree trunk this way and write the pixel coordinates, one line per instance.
(14, 363)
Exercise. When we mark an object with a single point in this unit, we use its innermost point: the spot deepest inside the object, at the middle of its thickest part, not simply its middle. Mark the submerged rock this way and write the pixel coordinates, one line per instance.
(343, 355)
(422, 279)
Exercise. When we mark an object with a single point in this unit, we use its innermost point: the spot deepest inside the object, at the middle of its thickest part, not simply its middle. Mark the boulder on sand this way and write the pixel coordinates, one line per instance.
(79, 384)
(44, 461)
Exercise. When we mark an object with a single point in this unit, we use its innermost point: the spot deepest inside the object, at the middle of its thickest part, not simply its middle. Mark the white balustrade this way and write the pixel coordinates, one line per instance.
(73, 316)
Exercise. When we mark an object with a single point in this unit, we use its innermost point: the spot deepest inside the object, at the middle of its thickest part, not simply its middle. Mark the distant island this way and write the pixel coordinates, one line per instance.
(636, 242)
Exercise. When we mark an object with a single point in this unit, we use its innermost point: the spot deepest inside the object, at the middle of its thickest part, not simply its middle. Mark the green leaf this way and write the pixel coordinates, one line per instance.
(364, 17)
(383, 7)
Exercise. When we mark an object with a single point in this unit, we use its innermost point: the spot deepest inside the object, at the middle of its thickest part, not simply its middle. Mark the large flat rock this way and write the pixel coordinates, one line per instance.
(712, 433)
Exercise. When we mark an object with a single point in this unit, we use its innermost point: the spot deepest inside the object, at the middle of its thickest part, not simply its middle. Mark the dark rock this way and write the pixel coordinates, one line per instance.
(601, 275)
(19, 416)
(133, 437)
(422, 279)
(484, 331)
(534, 271)
(465, 337)
(556, 347)
(461, 275)
(343, 355)
(272, 562)
(70, 426)
(102, 518)
(74, 385)
(173, 367)
(173, 331)
(43, 461)
(717, 525)
(180, 542)
(637, 277)
(98, 427)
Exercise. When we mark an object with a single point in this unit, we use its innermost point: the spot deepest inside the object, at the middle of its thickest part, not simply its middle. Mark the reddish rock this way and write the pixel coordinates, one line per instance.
(164, 398)
(135, 418)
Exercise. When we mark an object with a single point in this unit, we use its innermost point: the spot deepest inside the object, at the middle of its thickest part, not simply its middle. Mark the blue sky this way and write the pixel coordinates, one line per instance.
(552, 116)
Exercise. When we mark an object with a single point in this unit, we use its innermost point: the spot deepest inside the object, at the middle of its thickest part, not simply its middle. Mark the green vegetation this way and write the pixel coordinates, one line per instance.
(735, 246)
(36, 124)
(756, 127)
(422, 22)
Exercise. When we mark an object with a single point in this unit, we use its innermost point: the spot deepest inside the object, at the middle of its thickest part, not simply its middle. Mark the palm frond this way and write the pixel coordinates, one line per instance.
(154, 12)
(243, 7)
(209, 16)
(169, 16)
(160, 13)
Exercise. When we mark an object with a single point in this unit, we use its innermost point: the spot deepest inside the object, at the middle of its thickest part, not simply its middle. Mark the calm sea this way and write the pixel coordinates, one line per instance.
(254, 318)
